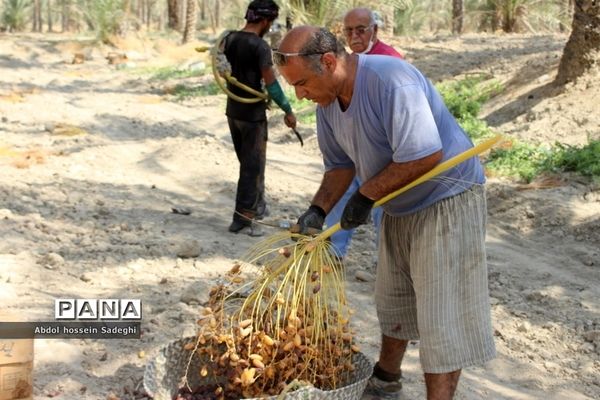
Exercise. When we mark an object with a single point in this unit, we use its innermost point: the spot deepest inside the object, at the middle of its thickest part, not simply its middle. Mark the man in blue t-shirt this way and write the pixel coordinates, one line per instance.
(360, 31)
(378, 117)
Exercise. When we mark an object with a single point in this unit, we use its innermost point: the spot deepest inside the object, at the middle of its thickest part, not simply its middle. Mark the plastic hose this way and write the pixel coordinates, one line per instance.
(259, 96)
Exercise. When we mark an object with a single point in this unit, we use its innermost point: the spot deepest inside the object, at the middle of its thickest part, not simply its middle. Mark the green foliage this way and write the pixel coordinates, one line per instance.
(166, 73)
(105, 17)
(476, 128)
(584, 160)
(431, 16)
(303, 109)
(466, 96)
(521, 160)
(526, 161)
(14, 14)
(183, 92)
(315, 12)
(428, 16)
(464, 99)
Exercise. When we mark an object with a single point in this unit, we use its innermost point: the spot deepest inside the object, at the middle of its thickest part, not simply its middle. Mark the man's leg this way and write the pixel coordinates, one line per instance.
(385, 381)
(441, 386)
(391, 354)
(250, 144)
(261, 146)
(449, 273)
(396, 308)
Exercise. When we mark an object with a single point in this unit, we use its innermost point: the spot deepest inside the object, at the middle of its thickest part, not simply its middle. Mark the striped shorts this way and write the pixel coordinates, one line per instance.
(432, 282)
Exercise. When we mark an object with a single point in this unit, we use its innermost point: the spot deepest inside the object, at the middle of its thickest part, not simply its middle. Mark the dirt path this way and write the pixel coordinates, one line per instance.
(87, 214)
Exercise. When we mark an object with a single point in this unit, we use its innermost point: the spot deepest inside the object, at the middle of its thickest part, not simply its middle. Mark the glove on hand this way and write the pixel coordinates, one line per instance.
(311, 221)
(357, 211)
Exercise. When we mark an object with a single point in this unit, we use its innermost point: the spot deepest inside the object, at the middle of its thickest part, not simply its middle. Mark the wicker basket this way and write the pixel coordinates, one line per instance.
(164, 373)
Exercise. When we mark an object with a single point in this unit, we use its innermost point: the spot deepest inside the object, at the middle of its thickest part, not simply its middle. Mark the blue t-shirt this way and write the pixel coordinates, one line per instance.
(396, 115)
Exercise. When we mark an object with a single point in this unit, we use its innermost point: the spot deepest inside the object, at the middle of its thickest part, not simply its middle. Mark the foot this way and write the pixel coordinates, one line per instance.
(381, 389)
(237, 225)
(262, 212)
(255, 230)
(251, 228)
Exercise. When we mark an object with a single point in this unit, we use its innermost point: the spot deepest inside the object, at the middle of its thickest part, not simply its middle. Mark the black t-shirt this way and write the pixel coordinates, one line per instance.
(247, 53)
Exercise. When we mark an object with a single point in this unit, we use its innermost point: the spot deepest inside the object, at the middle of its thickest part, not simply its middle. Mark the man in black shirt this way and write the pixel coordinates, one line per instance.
(251, 63)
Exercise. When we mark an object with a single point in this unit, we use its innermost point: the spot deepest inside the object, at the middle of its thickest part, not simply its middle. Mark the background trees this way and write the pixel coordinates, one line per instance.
(582, 51)
(408, 17)
(401, 16)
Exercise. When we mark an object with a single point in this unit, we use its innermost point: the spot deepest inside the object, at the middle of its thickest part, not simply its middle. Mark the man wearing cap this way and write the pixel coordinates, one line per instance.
(251, 64)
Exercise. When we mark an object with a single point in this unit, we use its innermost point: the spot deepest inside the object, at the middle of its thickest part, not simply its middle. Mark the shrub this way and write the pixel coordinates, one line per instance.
(14, 16)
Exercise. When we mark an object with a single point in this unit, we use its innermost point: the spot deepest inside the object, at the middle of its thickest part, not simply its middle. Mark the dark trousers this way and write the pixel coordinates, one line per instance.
(250, 143)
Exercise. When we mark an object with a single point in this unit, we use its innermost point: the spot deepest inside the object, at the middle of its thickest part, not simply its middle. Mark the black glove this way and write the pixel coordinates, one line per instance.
(357, 211)
(311, 221)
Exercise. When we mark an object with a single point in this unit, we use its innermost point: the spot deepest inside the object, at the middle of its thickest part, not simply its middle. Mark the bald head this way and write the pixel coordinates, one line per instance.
(296, 38)
(315, 63)
(307, 44)
(360, 13)
(360, 29)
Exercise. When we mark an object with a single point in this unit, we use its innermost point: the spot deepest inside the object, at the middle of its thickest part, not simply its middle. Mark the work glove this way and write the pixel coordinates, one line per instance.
(311, 222)
(357, 211)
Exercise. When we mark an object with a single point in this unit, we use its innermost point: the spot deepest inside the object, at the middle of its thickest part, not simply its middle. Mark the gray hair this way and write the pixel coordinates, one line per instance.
(377, 19)
(374, 16)
(321, 42)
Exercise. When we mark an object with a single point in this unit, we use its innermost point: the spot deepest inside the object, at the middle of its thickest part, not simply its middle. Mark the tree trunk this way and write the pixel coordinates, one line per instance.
(181, 19)
(191, 18)
(49, 10)
(66, 15)
(149, 6)
(173, 14)
(49, 15)
(582, 50)
(495, 7)
(217, 14)
(432, 22)
(203, 10)
(457, 16)
(141, 12)
(568, 11)
(37, 15)
(507, 16)
(388, 18)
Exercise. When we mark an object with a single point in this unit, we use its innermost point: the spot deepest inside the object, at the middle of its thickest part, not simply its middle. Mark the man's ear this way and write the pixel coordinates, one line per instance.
(329, 61)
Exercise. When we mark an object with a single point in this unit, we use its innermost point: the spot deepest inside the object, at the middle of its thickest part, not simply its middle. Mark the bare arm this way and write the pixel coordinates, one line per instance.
(396, 175)
(334, 185)
(268, 75)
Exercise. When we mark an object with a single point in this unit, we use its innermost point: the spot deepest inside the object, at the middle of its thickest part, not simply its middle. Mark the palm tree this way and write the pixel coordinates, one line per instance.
(14, 15)
(190, 21)
(172, 14)
(457, 16)
(583, 47)
(36, 7)
(49, 14)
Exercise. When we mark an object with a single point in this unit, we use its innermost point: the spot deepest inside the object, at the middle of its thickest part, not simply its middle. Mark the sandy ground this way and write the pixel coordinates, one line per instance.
(87, 214)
